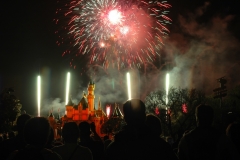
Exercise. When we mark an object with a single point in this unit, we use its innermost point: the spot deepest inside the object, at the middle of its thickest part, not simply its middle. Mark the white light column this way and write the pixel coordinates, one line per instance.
(39, 94)
(129, 85)
(167, 87)
(67, 87)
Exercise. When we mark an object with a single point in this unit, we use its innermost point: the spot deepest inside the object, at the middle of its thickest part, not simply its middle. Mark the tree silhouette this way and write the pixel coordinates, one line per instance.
(190, 98)
(10, 109)
(174, 119)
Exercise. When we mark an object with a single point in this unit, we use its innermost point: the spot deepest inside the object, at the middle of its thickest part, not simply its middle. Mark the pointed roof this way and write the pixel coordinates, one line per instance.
(91, 82)
(84, 102)
(51, 115)
(58, 116)
(104, 114)
(70, 103)
(117, 112)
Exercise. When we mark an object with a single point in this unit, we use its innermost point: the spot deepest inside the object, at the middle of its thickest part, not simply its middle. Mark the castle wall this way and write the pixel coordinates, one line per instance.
(80, 115)
(69, 110)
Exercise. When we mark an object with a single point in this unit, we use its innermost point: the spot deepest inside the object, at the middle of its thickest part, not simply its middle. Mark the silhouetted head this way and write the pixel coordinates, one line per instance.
(134, 112)
(21, 121)
(70, 132)
(85, 129)
(204, 115)
(154, 123)
(36, 131)
(233, 132)
(230, 118)
(50, 138)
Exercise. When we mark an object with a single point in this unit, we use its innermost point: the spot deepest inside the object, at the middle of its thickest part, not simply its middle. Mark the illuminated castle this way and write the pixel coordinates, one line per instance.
(83, 111)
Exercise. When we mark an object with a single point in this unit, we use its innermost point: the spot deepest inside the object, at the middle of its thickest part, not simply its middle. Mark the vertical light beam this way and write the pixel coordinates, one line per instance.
(167, 87)
(129, 85)
(39, 94)
(67, 87)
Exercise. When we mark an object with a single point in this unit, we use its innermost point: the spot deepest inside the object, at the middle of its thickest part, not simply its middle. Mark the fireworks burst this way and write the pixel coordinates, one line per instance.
(117, 32)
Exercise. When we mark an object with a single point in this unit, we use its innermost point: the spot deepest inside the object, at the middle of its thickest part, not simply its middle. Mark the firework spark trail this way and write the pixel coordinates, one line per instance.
(127, 33)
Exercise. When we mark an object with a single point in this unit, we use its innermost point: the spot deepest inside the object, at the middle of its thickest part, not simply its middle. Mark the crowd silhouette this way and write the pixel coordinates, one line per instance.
(140, 139)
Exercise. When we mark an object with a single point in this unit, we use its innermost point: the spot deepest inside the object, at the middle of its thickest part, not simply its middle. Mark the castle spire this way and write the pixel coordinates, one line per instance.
(99, 104)
(90, 96)
(70, 103)
(117, 112)
(51, 114)
(58, 117)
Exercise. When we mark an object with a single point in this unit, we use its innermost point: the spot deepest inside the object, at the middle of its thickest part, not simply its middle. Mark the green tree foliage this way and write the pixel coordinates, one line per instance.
(10, 109)
(181, 121)
(113, 125)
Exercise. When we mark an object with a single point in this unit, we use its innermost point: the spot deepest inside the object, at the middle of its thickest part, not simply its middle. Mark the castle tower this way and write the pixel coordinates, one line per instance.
(69, 108)
(83, 108)
(90, 96)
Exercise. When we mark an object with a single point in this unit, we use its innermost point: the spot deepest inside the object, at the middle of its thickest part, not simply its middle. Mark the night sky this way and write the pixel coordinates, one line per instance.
(204, 40)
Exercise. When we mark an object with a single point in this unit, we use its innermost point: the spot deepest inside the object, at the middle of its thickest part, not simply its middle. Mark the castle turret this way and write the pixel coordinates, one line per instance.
(90, 96)
(83, 109)
(58, 116)
(69, 108)
(52, 123)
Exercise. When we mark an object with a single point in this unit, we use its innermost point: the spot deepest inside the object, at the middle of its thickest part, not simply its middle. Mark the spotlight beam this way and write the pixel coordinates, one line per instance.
(39, 94)
(67, 87)
(167, 87)
(129, 85)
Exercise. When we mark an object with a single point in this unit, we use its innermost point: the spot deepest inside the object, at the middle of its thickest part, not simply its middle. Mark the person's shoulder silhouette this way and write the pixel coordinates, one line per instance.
(36, 134)
(70, 149)
(135, 141)
(201, 142)
(96, 146)
(157, 144)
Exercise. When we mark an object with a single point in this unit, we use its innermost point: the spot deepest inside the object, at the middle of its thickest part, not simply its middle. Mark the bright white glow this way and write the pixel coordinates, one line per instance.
(39, 94)
(114, 16)
(124, 30)
(67, 87)
(167, 87)
(108, 108)
(129, 85)
(102, 44)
